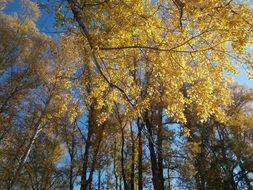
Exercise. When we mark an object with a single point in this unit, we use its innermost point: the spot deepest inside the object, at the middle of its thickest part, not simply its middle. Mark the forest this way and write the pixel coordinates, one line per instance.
(126, 95)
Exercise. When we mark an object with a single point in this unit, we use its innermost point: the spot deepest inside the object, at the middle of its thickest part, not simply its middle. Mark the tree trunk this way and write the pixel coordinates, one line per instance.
(71, 183)
(132, 160)
(84, 182)
(123, 159)
(140, 170)
(114, 165)
(37, 128)
(72, 154)
(158, 185)
(120, 183)
(99, 178)
(168, 171)
(160, 149)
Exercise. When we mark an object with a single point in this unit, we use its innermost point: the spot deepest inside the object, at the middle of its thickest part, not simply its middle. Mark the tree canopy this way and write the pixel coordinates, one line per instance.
(131, 95)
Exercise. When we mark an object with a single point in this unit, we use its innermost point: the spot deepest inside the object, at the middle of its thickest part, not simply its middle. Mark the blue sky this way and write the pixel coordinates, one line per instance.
(46, 24)
(242, 78)
(46, 20)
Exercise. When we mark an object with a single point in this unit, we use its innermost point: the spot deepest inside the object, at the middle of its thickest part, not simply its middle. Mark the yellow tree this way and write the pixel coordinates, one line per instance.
(218, 154)
(33, 90)
(183, 52)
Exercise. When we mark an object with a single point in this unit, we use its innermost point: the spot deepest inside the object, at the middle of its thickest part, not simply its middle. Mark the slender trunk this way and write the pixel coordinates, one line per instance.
(132, 160)
(92, 128)
(99, 138)
(120, 183)
(116, 181)
(99, 178)
(84, 168)
(84, 182)
(71, 184)
(168, 171)
(157, 179)
(109, 183)
(160, 150)
(72, 152)
(153, 158)
(27, 152)
(140, 170)
(200, 164)
(85, 165)
(114, 165)
(229, 181)
(37, 128)
(123, 159)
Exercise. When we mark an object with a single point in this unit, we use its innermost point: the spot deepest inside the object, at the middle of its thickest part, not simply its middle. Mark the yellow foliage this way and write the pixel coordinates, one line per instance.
(154, 53)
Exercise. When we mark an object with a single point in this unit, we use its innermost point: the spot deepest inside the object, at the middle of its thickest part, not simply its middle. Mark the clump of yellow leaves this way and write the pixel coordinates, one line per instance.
(172, 53)
(186, 132)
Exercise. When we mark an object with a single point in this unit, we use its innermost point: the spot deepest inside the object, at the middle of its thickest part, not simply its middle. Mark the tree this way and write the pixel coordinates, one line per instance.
(215, 146)
(133, 95)
(30, 94)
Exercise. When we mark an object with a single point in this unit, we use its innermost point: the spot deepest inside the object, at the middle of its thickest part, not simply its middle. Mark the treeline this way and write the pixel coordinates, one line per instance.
(134, 95)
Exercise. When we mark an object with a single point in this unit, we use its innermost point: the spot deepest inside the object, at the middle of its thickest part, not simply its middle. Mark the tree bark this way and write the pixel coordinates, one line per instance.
(114, 165)
(87, 182)
(99, 178)
(84, 182)
(140, 170)
(132, 160)
(123, 159)
(160, 149)
(157, 182)
(37, 128)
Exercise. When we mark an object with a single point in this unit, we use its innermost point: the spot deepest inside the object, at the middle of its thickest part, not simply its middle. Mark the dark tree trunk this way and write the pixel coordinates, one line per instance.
(168, 173)
(157, 182)
(99, 178)
(93, 130)
(140, 170)
(123, 159)
(72, 155)
(114, 165)
(120, 183)
(132, 160)
(71, 181)
(160, 149)
(84, 181)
